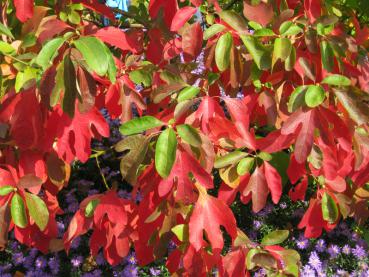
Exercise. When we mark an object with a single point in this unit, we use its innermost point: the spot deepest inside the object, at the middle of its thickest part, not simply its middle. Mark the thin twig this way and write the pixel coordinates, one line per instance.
(130, 15)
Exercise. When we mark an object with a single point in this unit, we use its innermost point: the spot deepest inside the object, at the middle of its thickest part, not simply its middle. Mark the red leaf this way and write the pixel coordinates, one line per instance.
(209, 213)
(192, 41)
(261, 13)
(298, 192)
(169, 7)
(305, 137)
(274, 182)
(258, 188)
(313, 9)
(126, 41)
(234, 264)
(74, 135)
(24, 9)
(181, 17)
(275, 142)
(295, 170)
(96, 6)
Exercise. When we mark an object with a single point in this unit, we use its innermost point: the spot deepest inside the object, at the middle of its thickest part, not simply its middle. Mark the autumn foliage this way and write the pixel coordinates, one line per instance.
(215, 106)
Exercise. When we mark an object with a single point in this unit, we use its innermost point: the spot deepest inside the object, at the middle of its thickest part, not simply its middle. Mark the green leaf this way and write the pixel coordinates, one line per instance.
(285, 26)
(289, 29)
(189, 135)
(254, 25)
(275, 237)
(141, 76)
(18, 211)
(48, 52)
(264, 32)
(139, 125)
(258, 52)
(5, 190)
(165, 152)
(329, 208)
(91, 206)
(4, 30)
(188, 93)
(291, 60)
(229, 159)
(213, 30)
(223, 51)
(59, 85)
(94, 53)
(234, 20)
(37, 210)
(314, 96)
(297, 98)
(265, 156)
(181, 231)
(327, 56)
(245, 165)
(336, 80)
(282, 49)
(6, 48)
(24, 77)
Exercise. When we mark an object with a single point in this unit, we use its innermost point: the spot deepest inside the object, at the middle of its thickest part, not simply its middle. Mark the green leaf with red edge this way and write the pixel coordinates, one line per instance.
(5, 190)
(329, 208)
(208, 215)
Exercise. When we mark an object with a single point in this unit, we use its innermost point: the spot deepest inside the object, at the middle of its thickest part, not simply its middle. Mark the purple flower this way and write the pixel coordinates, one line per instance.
(41, 262)
(260, 273)
(314, 261)
(155, 272)
(257, 224)
(54, 265)
(334, 250)
(131, 259)
(76, 261)
(307, 271)
(302, 242)
(320, 246)
(14, 245)
(130, 271)
(124, 194)
(18, 258)
(346, 249)
(359, 252)
(283, 205)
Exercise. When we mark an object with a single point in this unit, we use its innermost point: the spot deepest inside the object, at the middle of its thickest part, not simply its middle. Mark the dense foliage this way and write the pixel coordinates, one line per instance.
(220, 104)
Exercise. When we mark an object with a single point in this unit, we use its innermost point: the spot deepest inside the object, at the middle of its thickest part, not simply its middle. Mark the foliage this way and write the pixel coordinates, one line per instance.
(273, 101)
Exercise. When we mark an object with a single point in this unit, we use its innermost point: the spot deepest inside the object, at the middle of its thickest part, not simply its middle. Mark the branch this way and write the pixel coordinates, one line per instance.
(133, 16)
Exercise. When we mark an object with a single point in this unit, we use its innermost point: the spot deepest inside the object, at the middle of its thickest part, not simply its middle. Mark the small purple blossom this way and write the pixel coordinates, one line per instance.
(76, 261)
(346, 249)
(75, 243)
(130, 271)
(131, 259)
(359, 252)
(100, 260)
(334, 251)
(257, 224)
(54, 265)
(41, 262)
(314, 261)
(320, 245)
(302, 242)
(154, 271)
(18, 258)
(283, 205)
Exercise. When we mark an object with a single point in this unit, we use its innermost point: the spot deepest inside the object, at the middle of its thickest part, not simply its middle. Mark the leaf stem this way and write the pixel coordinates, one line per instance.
(101, 173)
